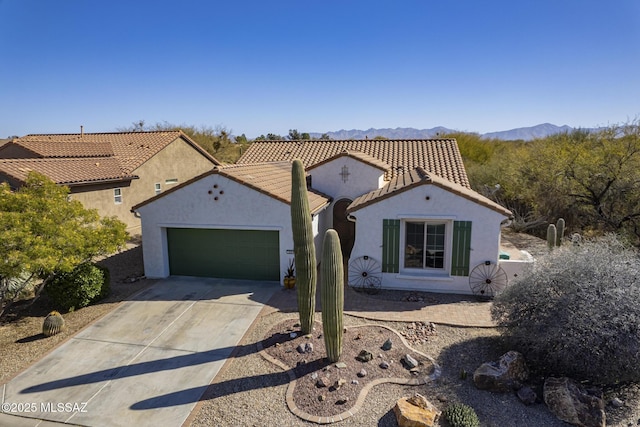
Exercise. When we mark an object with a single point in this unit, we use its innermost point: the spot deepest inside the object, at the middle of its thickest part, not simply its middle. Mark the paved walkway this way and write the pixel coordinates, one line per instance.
(453, 310)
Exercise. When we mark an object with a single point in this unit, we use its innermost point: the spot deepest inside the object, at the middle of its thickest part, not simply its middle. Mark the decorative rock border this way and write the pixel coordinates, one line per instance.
(291, 404)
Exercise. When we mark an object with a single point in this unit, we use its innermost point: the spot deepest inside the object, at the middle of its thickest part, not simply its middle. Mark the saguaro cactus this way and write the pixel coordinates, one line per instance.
(332, 295)
(551, 236)
(559, 231)
(303, 247)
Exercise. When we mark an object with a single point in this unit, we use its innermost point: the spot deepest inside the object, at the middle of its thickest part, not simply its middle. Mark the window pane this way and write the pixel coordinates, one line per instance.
(435, 246)
(414, 245)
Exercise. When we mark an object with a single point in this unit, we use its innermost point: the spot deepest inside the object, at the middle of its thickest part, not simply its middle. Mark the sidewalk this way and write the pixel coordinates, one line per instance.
(463, 311)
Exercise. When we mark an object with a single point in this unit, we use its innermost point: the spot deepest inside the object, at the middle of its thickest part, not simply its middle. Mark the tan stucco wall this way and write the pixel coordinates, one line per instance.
(178, 160)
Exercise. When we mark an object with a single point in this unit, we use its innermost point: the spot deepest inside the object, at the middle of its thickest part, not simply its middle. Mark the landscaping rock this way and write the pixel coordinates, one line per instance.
(364, 356)
(300, 349)
(571, 403)
(323, 381)
(387, 345)
(384, 365)
(415, 411)
(339, 383)
(308, 347)
(502, 376)
(527, 395)
(409, 361)
(616, 402)
(341, 365)
(362, 373)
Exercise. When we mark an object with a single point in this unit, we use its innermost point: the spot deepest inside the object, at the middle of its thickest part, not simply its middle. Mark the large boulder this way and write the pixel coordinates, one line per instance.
(415, 411)
(505, 375)
(571, 403)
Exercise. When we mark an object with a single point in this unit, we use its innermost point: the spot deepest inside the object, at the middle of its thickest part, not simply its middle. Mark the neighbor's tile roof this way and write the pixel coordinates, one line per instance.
(132, 149)
(67, 170)
(419, 176)
(439, 156)
(48, 149)
(272, 179)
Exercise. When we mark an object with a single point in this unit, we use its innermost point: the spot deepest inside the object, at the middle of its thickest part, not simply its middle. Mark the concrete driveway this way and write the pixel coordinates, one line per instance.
(146, 363)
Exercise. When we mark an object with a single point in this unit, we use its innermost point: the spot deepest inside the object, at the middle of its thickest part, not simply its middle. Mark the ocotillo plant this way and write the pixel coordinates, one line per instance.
(332, 295)
(551, 236)
(303, 247)
(559, 231)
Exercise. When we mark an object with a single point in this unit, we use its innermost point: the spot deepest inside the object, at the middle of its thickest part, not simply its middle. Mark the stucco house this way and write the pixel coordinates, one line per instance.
(110, 172)
(404, 210)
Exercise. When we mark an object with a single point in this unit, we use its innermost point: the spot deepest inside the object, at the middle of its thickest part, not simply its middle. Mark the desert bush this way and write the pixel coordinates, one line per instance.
(461, 415)
(577, 312)
(84, 285)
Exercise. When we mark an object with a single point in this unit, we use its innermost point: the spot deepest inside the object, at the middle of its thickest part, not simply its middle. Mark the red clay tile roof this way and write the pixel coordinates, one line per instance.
(132, 149)
(365, 158)
(420, 176)
(67, 171)
(46, 149)
(272, 179)
(439, 156)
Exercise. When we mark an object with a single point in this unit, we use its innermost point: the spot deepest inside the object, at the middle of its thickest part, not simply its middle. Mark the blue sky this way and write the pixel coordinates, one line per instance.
(255, 67)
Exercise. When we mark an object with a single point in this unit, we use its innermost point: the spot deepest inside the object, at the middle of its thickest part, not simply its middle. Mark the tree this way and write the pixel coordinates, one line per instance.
(43, 233)
(294, 135)
(269, 137)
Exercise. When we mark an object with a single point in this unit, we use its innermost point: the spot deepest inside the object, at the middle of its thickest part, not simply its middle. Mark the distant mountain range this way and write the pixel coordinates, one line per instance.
(525, 133)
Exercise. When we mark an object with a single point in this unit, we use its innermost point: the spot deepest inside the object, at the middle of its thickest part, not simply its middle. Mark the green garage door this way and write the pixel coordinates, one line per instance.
(231, 254)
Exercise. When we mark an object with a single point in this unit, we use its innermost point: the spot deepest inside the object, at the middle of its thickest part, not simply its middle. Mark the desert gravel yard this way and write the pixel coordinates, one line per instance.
(250, 391)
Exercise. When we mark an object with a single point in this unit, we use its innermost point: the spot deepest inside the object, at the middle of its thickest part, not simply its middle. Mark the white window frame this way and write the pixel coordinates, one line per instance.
(448, 247)
(158, 187)
(117, 196)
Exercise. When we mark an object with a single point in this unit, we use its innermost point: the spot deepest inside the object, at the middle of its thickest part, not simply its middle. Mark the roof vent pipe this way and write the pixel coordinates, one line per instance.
(81, 131)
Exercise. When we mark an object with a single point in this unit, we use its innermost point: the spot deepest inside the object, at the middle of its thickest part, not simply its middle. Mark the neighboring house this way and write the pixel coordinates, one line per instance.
(404, 210)
(109, 172)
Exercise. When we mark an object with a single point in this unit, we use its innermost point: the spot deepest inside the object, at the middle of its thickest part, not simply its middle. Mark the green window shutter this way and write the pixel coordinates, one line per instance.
(390, 245)
(461, 248)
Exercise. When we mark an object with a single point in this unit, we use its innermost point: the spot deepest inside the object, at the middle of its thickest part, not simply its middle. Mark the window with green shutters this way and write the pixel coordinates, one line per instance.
(429, 246)
(390, 245)
(461, 248)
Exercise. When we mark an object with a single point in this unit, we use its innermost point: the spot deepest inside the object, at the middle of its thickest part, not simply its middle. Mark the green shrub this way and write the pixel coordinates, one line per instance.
(461, 415)
(85, 285)
(577, 312)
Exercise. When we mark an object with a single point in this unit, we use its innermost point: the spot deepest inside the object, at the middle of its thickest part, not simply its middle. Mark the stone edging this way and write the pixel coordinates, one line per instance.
(437, 371)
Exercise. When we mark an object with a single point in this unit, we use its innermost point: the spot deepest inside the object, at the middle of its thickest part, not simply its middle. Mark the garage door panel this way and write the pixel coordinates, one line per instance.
(234, 254)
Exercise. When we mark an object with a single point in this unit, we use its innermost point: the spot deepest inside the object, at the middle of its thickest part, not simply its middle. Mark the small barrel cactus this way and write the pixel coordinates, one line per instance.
(461, 415)
(551, 236)
(332, 295)
(560, 231)
(53, 324)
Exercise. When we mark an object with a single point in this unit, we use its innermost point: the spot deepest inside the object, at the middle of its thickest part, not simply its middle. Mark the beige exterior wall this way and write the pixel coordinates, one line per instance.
(178, 160)
(101, 197)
